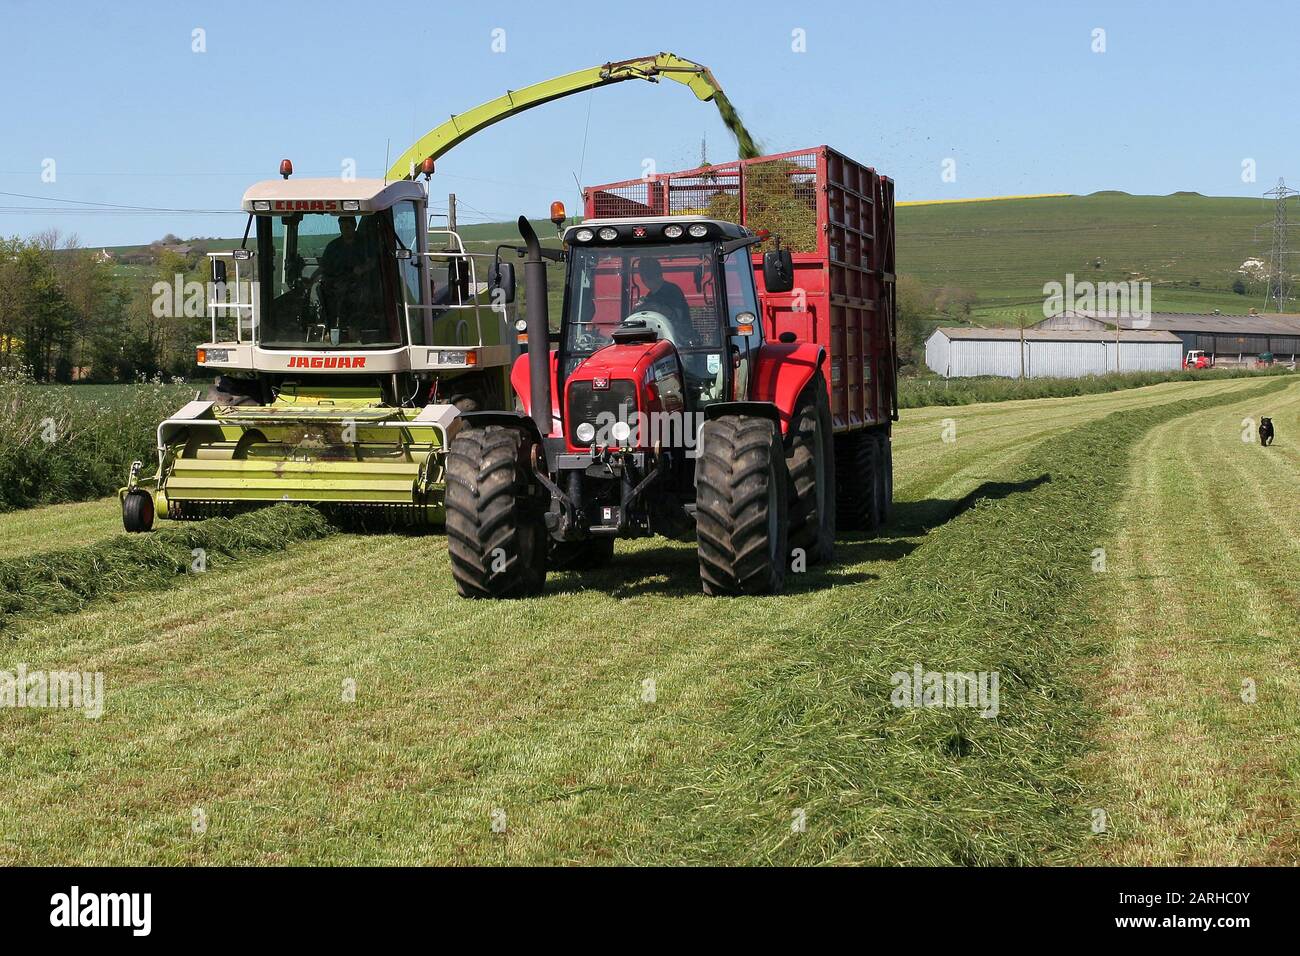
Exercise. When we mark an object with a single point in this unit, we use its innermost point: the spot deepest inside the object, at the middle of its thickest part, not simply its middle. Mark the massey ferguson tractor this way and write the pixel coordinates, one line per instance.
(724, 367)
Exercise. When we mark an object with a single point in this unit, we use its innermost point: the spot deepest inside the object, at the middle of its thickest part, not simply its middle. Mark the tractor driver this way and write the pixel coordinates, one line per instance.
(665, 298)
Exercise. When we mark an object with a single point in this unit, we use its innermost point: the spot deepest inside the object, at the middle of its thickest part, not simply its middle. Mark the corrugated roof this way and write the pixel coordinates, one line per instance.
(1053, 335)
(1219, 324)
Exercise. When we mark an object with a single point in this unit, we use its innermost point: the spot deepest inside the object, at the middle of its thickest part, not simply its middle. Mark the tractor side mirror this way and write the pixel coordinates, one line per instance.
(778, 270)
(218, 272)
(503, 282)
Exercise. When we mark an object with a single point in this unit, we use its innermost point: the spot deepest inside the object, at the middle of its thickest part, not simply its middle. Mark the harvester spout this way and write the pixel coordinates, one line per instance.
(539, 328)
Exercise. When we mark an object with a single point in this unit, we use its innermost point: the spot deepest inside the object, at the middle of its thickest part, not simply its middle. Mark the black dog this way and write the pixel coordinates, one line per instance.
(1266, 431)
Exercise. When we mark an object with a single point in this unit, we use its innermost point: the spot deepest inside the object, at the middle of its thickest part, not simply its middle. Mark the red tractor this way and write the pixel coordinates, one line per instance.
(686, 396)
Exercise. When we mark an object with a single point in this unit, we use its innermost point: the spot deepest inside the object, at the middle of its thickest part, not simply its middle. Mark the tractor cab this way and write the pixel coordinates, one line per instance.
(679, 293)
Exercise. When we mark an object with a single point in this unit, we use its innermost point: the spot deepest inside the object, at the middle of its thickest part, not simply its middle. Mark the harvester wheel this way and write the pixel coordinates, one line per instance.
(227, 391)
(496, 539)
(858, 488)
(581, 555)
(137, 511)
(742, 506)
(811, 467)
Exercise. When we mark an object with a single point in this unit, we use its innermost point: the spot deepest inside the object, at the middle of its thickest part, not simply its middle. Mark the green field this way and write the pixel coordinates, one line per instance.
(1189, 246)
(225, 690)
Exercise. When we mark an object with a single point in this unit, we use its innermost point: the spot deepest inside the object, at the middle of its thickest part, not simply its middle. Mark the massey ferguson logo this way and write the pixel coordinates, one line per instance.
(600, 381)
(327, 361)
(305, 205)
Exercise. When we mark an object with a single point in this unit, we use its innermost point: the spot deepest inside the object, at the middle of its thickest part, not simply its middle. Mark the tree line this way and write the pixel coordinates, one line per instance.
(68, 313)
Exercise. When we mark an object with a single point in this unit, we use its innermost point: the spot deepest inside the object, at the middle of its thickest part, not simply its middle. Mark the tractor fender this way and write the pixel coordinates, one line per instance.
(506, 419)
(781, 372)
(521, 382)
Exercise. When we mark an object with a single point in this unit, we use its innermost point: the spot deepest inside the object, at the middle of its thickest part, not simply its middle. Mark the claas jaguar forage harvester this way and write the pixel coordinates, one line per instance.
(724, 367)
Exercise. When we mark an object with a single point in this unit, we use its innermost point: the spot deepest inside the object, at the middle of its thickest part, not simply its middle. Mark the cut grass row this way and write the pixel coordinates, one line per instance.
(1201, 597)
(224, 692)
(63, 581)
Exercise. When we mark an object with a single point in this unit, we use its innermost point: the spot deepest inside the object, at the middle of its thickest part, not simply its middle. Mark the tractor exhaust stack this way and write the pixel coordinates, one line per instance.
(539, 328)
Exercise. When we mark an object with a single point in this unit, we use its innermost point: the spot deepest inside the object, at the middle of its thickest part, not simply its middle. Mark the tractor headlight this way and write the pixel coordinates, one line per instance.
(261, 205)
(585, 432)
(620, 431)
(673, 232)
(584, 235)
(608, 233)
(698, 230)
(352, 205)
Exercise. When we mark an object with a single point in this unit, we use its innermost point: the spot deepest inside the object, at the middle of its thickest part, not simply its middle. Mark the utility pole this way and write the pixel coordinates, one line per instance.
(451, 211)
(1279, 280)
(1021, 316)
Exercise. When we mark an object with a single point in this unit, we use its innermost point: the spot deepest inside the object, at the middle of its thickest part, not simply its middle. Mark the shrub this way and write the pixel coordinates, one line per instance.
(71, 443)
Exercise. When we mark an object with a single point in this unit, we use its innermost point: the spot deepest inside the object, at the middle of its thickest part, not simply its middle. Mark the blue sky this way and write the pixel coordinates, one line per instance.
(115, 95)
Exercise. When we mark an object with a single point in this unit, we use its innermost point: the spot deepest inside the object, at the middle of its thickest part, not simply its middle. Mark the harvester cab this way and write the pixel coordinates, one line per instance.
(348, 334)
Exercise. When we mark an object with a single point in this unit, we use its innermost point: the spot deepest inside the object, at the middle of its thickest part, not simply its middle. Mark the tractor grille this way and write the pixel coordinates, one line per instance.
(601, 407)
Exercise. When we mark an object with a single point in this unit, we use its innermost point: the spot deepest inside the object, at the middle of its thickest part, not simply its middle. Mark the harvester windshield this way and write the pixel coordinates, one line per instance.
(335, 281)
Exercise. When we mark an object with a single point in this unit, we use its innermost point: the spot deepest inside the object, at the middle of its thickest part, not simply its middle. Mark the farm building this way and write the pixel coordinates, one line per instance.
(1231, 339)
(1227, 339)
(1049, 353)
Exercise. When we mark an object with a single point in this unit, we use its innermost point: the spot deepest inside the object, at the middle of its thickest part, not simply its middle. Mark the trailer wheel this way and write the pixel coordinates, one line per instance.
(137, 511)
(811, 467)
(858, 488)
(742, 503)
(887, 475)
(581, 555)
(496, 539)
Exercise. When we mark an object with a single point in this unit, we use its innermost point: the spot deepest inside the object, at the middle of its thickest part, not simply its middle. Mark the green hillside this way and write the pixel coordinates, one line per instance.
(1189, 246)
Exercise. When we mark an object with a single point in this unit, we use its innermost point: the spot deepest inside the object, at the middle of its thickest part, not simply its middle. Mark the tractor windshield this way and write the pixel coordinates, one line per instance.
(328, 281)
(672, 288)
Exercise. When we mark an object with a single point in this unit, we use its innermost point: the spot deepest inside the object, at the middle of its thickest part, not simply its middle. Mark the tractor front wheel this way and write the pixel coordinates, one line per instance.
(496, 538)
(137, 511)
(741, 502)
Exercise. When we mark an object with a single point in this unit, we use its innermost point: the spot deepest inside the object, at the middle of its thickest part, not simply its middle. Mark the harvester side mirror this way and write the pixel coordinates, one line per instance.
(778, 270)
(503, 282)
(218, 271)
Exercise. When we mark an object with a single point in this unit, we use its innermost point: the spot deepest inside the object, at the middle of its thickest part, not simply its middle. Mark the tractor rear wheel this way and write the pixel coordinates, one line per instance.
(582, 555)
(137, 511)
(858, 489)
(742, 503)
(811, 467)
(496, 538)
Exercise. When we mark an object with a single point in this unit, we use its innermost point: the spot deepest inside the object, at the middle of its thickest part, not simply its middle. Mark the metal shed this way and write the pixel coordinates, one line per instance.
(1049, 353)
